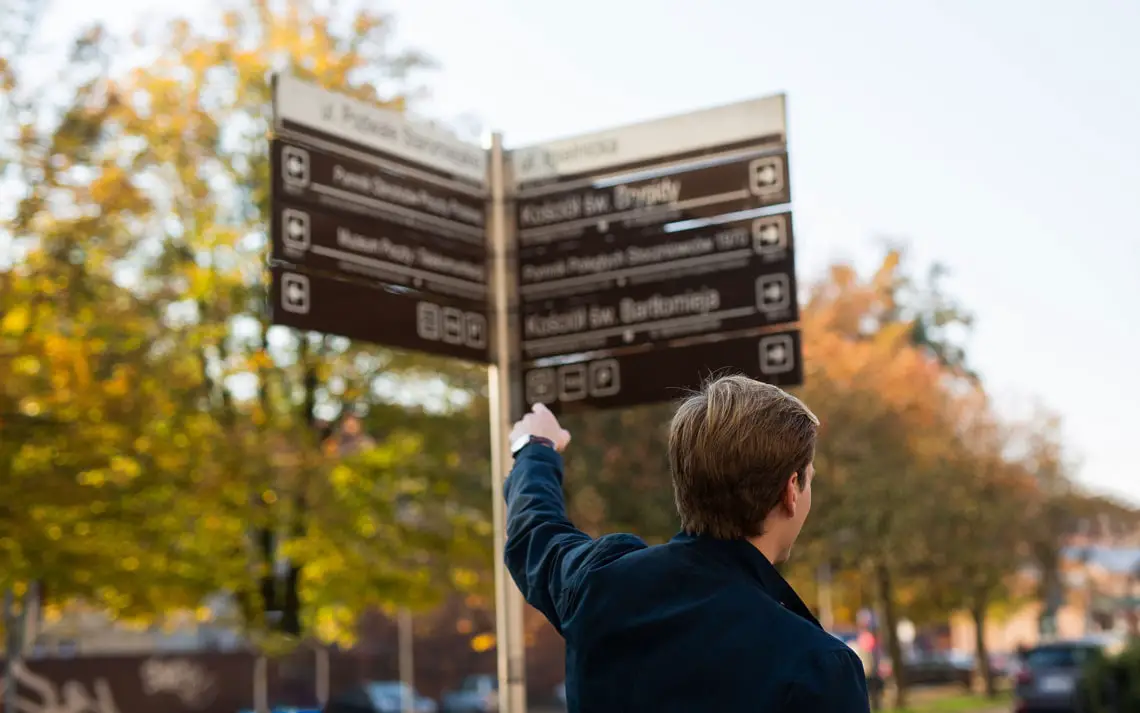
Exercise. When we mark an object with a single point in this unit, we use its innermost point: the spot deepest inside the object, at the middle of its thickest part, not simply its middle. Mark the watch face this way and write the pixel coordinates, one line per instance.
(518, 443)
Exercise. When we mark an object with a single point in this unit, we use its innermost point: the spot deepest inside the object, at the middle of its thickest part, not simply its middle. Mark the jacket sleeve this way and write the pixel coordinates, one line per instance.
(831, 681)
(546, 555)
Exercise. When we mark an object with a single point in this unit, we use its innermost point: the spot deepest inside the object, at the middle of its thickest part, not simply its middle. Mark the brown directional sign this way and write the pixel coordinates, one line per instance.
(699, 190)
(654, 376)
(658, 312)
(379, 250)
(627, 256)
(391, 316)
(339, 183)
(377, 226)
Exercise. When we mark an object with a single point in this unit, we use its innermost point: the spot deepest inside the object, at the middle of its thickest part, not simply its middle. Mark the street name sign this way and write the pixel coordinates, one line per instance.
(321, 115)
(342, 183)
(376, 313)
(745, 124)
(342, 242)
(645, 377)
(636, 314)
(694, 191)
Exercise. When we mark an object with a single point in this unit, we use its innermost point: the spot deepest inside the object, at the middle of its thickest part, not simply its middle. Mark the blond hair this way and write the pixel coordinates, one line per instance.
(733, 446)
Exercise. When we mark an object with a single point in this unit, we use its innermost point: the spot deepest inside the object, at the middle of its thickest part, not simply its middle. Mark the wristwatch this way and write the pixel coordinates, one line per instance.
(525, 440)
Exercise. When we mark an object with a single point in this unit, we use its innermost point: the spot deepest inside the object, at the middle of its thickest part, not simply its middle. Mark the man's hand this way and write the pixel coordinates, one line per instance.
(540, 422)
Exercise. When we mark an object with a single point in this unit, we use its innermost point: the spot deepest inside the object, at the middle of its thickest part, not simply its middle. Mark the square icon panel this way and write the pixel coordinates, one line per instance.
(773, 293)
(777, 354)
(453, 327)
(605, 377)
(428, 321)
(769, 235)
(541, 386)
(476, 325)
(295, 167)
(295, 295)
(572, 382)
(766, 176)
(295, 229)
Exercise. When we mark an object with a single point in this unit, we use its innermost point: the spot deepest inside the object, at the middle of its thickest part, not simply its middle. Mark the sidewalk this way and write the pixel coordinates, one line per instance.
(954, 702)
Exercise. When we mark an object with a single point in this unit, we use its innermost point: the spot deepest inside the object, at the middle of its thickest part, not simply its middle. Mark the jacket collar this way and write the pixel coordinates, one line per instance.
(745, 555)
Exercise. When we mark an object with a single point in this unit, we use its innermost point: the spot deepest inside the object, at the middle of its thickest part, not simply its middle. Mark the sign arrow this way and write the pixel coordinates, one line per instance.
(769, 235)
(767, 176)
(296, 228)
(777, 354)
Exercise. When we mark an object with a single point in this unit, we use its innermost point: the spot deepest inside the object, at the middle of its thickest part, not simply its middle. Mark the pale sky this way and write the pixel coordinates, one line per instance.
(999, 137)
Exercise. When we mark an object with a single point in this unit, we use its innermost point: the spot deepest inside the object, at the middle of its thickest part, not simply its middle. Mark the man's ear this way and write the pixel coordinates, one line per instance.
(791, 494)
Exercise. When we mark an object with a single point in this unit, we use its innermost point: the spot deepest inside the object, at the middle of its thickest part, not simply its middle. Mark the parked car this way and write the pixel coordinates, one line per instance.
(1001, 664)
(1048, 675)
(380, 697)
(935, 668)
(476, 694)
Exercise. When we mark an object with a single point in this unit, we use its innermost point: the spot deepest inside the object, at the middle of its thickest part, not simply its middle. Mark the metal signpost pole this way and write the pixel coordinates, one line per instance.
(508, 600)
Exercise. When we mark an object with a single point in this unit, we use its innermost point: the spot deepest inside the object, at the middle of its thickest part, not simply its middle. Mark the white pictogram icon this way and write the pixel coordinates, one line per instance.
(777, 354)
(295, 295)
(295, 171)
(295, 229)
(476, 330)
(773, 293)
(427, 321)
(540, 386)
(572, 384)
(768, 235)
(605, 377)
(766, 176)
(452, 326)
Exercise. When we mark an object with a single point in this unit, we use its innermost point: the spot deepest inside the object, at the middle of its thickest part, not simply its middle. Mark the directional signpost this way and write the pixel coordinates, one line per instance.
(654, 255)
(377, 225)
(604, 271)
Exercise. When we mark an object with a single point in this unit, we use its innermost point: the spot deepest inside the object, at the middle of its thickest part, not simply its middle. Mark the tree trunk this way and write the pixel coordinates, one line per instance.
(291, 596)
(891, 631)
(978, 611)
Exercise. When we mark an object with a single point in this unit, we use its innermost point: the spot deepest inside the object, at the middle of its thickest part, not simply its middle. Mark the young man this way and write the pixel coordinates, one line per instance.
(703, 622)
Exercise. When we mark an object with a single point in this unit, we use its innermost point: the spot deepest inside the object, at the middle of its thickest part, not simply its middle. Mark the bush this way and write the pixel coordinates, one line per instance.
(1111, 684)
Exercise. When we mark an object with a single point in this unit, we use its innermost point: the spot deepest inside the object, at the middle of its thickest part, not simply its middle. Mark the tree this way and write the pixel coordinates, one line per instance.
(979, 542)
(92, 401)
(166, 166)
(882, 394)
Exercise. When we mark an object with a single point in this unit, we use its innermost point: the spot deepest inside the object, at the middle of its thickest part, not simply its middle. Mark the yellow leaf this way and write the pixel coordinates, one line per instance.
(16, 321)
(26, 365)
(482, 642)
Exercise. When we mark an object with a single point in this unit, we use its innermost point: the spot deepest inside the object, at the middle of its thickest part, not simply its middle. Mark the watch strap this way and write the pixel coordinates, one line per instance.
(524, 441)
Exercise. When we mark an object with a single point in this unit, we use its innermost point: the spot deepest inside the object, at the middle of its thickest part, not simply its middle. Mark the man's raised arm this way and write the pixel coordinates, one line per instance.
(545, 554)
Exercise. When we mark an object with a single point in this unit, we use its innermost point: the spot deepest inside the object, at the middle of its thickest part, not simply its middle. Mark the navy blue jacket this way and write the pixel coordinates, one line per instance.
(690, 626)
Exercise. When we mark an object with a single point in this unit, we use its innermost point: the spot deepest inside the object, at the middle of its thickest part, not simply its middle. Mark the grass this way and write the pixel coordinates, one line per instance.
(958, 704)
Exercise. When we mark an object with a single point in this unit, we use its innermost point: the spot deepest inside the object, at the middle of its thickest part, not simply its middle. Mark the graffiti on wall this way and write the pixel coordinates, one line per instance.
(37, 694)
(188, 681)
